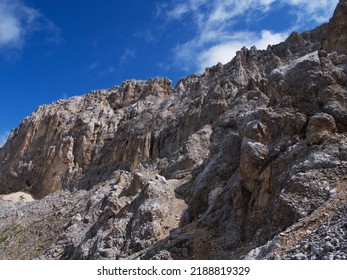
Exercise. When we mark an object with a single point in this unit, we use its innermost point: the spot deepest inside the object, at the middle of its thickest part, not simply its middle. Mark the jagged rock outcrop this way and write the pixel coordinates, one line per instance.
(336, 39)
(221, 166)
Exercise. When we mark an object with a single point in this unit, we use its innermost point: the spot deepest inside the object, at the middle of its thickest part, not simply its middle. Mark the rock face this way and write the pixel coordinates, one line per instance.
(319, 128)
(222, 166)
(336, 39)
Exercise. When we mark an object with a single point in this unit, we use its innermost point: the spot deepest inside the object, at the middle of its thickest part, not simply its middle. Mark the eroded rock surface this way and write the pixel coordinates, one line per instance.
(222, 166)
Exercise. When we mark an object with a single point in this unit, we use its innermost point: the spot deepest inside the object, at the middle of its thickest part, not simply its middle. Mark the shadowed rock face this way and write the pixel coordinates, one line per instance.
(336, 39)
(221, 164)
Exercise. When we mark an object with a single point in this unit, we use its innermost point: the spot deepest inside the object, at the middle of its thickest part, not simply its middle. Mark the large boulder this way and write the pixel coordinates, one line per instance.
(320, 127)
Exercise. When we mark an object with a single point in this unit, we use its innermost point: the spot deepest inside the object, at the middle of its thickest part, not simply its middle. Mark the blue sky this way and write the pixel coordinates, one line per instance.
(53, 49)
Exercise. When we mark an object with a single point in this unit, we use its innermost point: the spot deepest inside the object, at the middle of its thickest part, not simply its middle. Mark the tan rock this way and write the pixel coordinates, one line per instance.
(320, 127)
(17, 197)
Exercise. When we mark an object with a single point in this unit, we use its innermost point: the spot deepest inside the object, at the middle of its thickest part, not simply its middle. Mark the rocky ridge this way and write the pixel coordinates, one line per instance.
(233, 163)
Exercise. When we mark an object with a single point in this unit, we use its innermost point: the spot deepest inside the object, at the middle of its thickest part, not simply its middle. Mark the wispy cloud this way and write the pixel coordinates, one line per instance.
(216, 36)
(178, 11)
(147, 35)
(128, 54)
(309, 13)
(18, 21)
(215, 40)
(108, 71)
(3, 137)
(94, 65)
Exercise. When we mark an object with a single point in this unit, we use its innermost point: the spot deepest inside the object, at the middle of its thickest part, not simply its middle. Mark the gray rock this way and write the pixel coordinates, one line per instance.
(300, 257)
(315, 249)
(327, 247)
(226, 161)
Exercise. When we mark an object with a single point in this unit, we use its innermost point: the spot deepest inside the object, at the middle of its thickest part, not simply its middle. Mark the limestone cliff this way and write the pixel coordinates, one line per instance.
(221, 164)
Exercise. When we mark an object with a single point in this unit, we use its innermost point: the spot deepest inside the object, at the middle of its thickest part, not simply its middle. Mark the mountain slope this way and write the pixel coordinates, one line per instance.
(223, 163)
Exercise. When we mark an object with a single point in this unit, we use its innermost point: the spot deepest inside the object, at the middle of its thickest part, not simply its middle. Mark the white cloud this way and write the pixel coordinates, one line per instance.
(178, 11)
(225, 51)
(269, 38)
(3, 137)
(18, 20)
(310, 13)
(10, 30)
(216, 39)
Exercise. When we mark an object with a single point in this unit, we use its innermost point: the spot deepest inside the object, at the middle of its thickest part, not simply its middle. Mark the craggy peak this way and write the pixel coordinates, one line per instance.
(245, 161)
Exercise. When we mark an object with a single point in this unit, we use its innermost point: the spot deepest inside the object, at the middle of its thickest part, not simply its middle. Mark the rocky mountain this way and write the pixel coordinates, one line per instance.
(247, 160)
